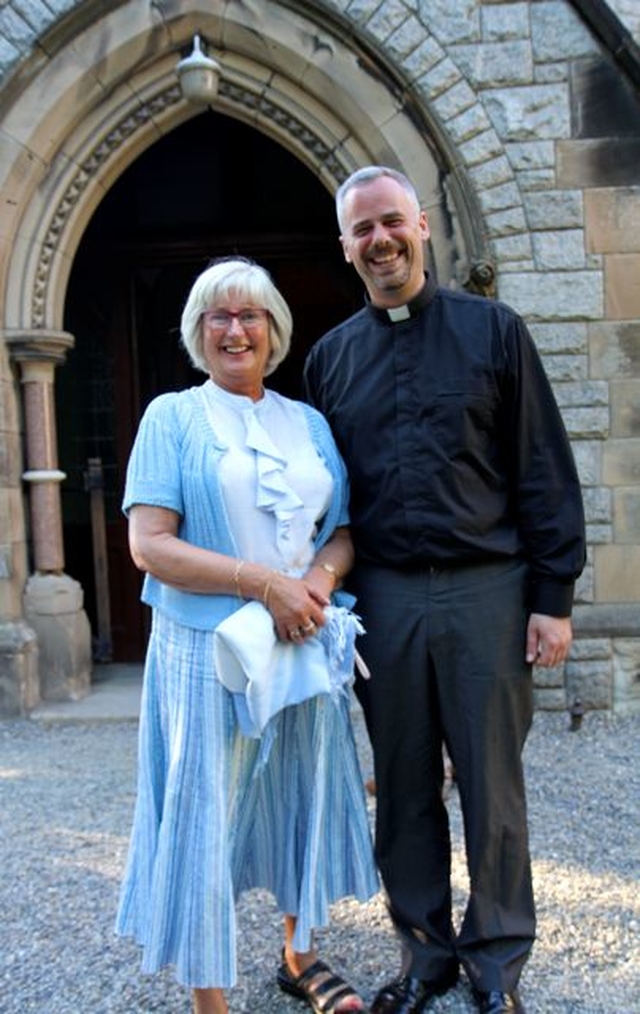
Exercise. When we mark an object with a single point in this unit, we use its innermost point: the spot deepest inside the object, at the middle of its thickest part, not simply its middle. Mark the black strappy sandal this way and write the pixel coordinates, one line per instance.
(321, 988)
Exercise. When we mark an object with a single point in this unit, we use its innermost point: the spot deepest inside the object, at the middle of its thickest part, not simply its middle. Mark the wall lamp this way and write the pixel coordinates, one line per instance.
(198, 75)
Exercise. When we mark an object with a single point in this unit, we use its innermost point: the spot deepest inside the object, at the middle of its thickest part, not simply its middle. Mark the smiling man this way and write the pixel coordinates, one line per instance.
(468, 526)
(383, 232)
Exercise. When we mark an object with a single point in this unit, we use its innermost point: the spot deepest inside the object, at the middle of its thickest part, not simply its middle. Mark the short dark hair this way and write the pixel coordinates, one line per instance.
(365, 175)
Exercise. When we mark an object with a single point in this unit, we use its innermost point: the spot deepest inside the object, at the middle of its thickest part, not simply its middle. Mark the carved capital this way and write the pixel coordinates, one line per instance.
(36, 346)
(482, 279)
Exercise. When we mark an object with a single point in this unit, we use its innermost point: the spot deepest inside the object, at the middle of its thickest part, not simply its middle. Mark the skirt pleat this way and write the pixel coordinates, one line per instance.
(213, 818)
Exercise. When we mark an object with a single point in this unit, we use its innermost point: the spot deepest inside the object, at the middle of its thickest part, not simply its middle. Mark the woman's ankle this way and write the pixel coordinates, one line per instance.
(298, 961)
(209, 1001)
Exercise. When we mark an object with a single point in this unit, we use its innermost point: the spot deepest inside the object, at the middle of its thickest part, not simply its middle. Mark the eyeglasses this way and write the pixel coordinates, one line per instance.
(248, 319)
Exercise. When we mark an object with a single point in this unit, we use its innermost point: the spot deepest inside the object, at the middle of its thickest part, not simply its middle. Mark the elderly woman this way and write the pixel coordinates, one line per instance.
(248, 774)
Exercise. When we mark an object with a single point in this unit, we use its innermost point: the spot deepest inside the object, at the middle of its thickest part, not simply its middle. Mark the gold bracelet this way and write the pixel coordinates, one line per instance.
(236, 577)
(267, 589)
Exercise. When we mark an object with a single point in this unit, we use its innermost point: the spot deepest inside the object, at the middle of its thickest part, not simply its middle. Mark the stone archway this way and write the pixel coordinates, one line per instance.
(325, 100)
(109, 90)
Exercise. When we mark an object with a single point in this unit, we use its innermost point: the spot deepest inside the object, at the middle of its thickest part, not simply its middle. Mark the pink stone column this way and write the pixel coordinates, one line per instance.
(38, 353)
(53, 601)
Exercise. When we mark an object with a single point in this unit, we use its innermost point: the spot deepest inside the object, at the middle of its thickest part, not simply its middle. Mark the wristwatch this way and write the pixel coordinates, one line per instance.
(330, 569)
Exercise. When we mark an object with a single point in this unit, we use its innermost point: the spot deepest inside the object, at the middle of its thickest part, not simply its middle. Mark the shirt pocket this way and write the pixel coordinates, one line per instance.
(464, 419)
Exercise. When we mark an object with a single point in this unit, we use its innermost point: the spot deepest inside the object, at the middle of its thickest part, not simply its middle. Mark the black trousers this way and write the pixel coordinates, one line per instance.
(446, 650)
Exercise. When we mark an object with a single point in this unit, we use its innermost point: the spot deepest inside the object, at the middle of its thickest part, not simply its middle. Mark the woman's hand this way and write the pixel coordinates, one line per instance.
(297, 605)
(330, 566)
(297, 608)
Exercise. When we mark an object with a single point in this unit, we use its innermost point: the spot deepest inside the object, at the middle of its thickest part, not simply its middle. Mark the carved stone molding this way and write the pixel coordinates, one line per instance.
(323, 155)
(32, 346)
(105, 148)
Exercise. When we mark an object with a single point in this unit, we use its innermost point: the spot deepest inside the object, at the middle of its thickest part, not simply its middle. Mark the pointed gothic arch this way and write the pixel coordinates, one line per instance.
(111, 91)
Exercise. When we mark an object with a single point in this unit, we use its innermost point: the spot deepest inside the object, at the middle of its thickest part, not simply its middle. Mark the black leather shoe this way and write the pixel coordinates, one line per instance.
(410, 996)
(495, 1002)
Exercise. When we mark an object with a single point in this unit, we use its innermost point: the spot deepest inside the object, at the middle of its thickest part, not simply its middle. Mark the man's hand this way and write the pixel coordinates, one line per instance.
(548, 639)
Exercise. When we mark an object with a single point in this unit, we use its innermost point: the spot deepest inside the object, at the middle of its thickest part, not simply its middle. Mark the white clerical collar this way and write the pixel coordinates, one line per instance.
(397, 313)
(404, 312)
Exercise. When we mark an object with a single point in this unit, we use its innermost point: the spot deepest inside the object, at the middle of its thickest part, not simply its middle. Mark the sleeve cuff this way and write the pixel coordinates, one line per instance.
(552, 599)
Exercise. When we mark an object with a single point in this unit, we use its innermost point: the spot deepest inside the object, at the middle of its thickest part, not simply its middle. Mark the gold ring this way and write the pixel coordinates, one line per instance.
(309, 626)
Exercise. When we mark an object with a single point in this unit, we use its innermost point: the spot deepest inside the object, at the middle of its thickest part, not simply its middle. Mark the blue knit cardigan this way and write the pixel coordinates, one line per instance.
(174, 464)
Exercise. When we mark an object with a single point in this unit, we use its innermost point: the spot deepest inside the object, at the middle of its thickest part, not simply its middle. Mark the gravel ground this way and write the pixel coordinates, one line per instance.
(67, 794)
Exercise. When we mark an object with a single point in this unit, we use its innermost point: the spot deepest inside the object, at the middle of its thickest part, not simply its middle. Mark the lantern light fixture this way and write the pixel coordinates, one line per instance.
(198, 75)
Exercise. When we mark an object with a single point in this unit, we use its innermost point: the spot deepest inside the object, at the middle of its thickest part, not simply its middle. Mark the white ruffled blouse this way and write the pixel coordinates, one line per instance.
(275, 488)
(274, 484)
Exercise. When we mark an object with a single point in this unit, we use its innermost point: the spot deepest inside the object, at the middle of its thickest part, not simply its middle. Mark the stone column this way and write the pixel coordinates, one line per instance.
(53, 601)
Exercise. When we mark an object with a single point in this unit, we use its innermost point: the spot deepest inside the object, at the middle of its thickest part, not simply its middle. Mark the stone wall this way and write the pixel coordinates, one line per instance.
(549, 130)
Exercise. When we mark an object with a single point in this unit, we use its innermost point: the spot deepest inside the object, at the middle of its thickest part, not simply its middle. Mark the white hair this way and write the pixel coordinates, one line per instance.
(244, 279)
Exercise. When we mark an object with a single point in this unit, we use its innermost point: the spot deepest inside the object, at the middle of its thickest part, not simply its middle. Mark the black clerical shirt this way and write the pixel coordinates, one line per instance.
(455, 447)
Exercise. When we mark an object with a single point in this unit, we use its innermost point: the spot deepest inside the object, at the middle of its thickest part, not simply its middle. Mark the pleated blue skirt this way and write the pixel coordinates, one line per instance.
(213, 820)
